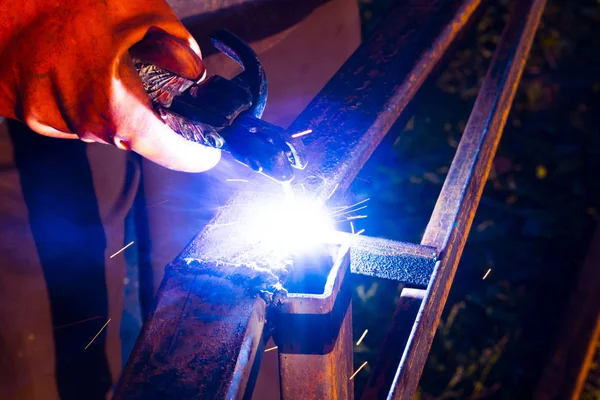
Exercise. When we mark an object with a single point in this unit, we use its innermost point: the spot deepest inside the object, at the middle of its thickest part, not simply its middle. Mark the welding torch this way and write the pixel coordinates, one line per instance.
(225, 113)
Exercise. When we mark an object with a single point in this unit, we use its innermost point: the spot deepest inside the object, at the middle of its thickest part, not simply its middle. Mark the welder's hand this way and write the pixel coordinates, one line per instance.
(66, 72)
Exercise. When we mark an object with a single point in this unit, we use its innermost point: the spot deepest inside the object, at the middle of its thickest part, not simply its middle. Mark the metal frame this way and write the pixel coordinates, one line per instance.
(204, 337)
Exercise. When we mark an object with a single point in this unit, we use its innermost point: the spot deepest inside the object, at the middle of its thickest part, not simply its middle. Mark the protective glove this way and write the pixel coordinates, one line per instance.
(66, 72)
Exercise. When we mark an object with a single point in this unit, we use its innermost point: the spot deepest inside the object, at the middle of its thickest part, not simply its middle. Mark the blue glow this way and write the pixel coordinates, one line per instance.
(291, 225)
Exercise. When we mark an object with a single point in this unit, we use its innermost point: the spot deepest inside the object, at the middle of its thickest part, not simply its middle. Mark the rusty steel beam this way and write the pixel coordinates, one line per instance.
(349, 117)
(450, 223)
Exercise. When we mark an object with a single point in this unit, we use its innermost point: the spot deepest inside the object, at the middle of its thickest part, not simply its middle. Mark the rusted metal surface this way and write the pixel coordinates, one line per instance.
(407, 263)
(195, 343)
(454, 211)
(201, 341)
(389, 356)
(313, 333)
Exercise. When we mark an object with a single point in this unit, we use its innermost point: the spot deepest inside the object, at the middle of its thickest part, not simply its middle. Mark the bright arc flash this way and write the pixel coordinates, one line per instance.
(291, 225)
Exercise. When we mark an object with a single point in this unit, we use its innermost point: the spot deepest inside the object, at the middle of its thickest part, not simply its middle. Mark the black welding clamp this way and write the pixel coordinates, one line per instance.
(225, 114)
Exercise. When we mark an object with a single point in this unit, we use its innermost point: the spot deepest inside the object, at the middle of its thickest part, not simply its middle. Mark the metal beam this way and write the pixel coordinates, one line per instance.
(454, 211)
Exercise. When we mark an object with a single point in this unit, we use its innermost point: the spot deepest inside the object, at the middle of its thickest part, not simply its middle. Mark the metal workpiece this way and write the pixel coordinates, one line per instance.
(203, 340)
(313, 333)
(407, 263)
(459, 198)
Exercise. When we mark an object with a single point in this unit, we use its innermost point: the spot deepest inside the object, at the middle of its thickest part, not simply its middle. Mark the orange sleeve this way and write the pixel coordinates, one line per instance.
(59, 49)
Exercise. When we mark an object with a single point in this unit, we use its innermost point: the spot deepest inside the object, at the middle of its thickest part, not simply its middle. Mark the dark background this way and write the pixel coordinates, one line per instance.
(536, 216)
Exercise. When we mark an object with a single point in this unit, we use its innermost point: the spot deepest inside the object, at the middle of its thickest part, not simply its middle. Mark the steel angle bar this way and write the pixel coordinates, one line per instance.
(453, 214)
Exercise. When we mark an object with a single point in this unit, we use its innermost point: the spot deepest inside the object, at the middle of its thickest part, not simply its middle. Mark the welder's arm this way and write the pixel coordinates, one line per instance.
(66, 71)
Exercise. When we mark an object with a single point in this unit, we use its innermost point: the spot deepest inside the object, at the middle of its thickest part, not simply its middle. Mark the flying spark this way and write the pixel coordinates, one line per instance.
(157, 204)
(338, 213)
(236, 180)
(356, 217)
(352, 227)
(360, 202)
(362, 337)
(100, 331)
(333, 191)
(303, 133)
(359, 232)
(122, 249)
(271, 348)
(358, 370)
(487, 273)
(77, 322)
(341, 210)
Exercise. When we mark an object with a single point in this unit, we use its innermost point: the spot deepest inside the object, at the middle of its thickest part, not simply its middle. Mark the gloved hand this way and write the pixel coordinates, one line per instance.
(66, 72)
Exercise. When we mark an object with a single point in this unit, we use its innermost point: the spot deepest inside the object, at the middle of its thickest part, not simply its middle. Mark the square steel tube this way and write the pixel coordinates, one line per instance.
(313, 333)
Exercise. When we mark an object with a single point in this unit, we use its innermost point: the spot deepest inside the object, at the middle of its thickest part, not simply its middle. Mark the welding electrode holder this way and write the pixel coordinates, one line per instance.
(225, 114)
